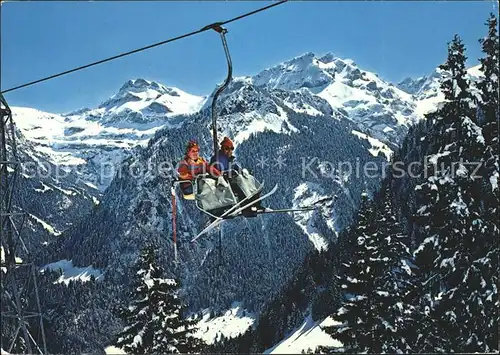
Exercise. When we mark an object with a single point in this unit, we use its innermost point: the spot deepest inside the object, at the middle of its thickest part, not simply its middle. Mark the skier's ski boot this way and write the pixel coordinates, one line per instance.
(253, 210)
(249, 212)
(258, 207)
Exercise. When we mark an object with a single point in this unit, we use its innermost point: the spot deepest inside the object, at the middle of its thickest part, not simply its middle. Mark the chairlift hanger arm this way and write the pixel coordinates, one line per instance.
(222, 31)
(216, 26)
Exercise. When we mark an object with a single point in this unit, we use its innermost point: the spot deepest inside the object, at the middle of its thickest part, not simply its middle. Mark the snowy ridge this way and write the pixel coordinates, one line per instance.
(50, 229)
(246, 109)
(259, 123)
(95, 141)
(381, 109)
(377, 146)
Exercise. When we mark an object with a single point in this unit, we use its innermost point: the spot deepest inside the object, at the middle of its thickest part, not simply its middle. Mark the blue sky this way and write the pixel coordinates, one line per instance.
(395, 39)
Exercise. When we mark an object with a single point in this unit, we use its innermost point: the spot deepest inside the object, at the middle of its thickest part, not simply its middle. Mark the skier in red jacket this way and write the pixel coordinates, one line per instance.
(193, 165)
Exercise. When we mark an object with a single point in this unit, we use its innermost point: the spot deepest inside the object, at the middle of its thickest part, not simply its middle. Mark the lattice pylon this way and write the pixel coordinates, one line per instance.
(19, 289)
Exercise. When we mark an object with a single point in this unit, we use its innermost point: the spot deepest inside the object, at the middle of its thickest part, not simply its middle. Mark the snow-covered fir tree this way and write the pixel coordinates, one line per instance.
(485, 267)
(488, 83)
(450, 216)
(374, 316)
(426, 335)
(459, 102)
(137, 336)
(154, 320)
(175, 332)
(356, 280)
(392, 261)
(489, 104)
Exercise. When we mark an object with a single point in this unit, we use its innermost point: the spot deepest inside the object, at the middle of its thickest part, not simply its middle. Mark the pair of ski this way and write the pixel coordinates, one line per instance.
(236, 209)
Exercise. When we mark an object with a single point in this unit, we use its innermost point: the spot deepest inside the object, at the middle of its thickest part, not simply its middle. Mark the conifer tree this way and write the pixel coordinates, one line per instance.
(482, 277)
(426, 335)
(459, 102)
(392, 281)
(374, 315)
(489, 88)
(488, 84)
(355, 315)
(175, 334)
(450, 214)
(137, 336)
(154, 319)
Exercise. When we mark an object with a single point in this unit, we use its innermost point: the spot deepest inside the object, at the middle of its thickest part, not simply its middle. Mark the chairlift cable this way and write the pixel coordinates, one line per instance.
(206, 28)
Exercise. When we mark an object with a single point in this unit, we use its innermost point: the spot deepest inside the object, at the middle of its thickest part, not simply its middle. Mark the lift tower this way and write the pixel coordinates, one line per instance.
(21, 326)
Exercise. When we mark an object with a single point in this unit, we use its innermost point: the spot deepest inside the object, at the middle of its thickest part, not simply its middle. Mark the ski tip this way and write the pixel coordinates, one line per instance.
(274, 188)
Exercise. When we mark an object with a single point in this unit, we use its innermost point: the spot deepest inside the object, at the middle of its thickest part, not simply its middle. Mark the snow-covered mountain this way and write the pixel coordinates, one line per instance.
(141, 101)
(92, 142)
(377, 107)
(426, 90)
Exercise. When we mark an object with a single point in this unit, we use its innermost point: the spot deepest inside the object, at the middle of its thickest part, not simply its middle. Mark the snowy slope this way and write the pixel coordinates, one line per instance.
(70, 273)
(306, 194)
(113, 350)
(380, 109)
(376, 145)
(307, 337)
(233, 322)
